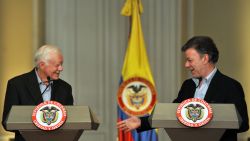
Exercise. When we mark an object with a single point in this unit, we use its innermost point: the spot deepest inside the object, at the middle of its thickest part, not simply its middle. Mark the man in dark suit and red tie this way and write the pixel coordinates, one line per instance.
(207, 83)
(40, 84)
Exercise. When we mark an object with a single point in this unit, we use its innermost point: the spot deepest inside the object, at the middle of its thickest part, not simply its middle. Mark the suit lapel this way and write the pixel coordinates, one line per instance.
(192, 90)
(33, 87)
(54, 90)
(212, 87)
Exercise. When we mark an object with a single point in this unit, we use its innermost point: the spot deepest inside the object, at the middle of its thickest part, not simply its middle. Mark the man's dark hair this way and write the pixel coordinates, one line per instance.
(203, 45)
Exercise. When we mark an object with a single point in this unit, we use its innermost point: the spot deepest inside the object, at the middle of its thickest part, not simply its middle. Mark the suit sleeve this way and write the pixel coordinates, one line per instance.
(181, 93)
(11, 98)
(70, 99)
(144, 124)
(240, 104)
(179, 97)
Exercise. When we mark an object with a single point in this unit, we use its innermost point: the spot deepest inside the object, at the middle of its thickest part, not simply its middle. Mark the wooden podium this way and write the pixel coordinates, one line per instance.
(79, 118)
(224, 117)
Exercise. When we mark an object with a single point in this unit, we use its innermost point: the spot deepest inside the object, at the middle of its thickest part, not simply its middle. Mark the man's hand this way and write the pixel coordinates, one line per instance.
(129, 124)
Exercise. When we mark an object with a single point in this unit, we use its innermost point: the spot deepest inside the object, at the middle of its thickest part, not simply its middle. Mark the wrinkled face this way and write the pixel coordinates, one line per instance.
(53, 67)
(195, 63)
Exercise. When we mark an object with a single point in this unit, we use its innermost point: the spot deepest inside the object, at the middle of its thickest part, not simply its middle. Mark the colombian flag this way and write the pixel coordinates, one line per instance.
(135, 65)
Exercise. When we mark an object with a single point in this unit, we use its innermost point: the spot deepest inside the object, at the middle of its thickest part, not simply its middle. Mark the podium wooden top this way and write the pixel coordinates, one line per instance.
(224, 116)
(78, 117)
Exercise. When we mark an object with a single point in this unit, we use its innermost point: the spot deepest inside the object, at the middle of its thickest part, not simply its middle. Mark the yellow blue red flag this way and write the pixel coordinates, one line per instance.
(136, 95)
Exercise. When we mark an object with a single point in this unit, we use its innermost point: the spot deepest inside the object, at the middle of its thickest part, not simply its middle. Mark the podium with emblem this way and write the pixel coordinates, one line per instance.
(79, 118)
(165, 115)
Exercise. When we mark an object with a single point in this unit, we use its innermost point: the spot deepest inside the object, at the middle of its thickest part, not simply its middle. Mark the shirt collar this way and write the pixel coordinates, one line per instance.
(210, 76)
(207, 79)
(39, 79)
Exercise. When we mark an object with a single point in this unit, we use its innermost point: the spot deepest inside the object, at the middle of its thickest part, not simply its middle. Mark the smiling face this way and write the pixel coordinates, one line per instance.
(197, 64)
(51, 67)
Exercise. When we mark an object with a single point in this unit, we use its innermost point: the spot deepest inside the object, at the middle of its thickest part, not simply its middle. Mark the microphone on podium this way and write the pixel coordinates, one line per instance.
(199, 83)
(49, 84)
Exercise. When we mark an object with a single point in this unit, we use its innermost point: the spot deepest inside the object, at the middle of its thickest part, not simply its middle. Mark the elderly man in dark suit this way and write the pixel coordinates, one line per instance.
(207, 83)
(40, 84)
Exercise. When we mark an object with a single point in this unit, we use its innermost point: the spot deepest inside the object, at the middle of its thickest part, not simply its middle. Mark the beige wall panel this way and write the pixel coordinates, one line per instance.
(227, 22)
(15, 44)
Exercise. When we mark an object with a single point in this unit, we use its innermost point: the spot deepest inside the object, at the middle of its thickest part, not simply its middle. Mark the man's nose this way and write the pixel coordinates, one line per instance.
(187, 64)
(60, 68)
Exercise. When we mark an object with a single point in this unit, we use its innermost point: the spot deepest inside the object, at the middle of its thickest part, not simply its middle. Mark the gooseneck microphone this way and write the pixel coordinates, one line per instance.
(200, 79)
(49, 84)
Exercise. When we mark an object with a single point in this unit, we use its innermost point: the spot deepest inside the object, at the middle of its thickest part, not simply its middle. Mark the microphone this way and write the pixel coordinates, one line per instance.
(200, 79)
(49, 84)
(48, 79)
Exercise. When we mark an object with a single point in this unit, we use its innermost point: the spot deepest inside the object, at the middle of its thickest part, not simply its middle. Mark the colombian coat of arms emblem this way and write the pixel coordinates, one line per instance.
(136, 96)
(49, 115)
(194, 112)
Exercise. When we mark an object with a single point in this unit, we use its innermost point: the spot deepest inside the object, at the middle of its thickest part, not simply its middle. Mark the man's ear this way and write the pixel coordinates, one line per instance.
(41, 64)
(205, 58)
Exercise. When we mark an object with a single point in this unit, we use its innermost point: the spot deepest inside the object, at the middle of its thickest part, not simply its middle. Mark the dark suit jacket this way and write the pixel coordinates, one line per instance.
(24, 90)
(222, 89)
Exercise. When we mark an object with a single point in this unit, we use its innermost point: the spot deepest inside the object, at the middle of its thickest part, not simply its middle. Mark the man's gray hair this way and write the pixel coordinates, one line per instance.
(44, 53)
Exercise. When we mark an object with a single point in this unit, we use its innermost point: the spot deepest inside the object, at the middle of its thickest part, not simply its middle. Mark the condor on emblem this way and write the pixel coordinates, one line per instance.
(49, 115)
(136, 96)
(194, 112)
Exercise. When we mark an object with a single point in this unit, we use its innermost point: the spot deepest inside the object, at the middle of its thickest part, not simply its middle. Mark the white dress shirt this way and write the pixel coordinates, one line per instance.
(201, 87)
